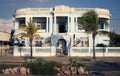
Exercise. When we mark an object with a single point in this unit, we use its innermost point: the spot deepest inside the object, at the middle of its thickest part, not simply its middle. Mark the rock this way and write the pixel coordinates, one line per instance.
(63, 68)
(28, 71)
(67, 67)
(86, 72)
(16, 70)
(58, 69)
(74, 70)
(61, 73)
(81, 70)
(6, 71)
(23, 71)
(67, 72)
(58, 74)
(11, 71)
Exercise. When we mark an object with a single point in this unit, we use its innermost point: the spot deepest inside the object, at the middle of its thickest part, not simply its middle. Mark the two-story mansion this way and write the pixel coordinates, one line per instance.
(58, 29)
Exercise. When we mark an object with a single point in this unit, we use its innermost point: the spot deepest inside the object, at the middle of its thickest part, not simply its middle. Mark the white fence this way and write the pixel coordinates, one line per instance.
(75, 51)
(100, 51)
(37, 51)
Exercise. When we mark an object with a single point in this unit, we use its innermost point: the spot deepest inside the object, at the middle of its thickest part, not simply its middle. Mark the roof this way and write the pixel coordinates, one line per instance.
(4, 36)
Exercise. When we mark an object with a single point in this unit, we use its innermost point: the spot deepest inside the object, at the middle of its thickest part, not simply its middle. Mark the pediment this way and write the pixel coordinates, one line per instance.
(62, 8)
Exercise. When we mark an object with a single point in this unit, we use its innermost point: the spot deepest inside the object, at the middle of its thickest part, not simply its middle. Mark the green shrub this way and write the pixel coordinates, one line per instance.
(39, 68)
(49, 68)
(76, 63)
(36, 68)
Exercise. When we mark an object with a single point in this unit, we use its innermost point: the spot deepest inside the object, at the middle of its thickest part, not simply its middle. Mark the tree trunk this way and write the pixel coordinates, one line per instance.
(94, 56)
(31, 51)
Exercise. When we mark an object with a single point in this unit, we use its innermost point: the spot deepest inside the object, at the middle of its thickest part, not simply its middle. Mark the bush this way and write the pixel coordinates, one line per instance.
(76, 63)
(49, 68)
(39, 68)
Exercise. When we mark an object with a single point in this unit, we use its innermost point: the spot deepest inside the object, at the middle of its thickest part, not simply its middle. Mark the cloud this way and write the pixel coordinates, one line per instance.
(6, 24)
(40, 1)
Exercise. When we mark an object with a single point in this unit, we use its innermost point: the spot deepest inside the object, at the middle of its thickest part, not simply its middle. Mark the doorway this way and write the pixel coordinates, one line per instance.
(62, 27)
(62, 24)
(61, 44)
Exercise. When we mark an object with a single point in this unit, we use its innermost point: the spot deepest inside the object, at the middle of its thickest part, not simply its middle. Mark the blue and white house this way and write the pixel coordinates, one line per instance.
(59, 30)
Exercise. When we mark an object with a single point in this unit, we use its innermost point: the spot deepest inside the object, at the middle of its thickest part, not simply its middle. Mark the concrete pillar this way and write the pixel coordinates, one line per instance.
(27, 19)
(46, 24)
(72, 24)
(50, 24)
(16, 24)
(54, 24)
(76, 25)
(68, 25)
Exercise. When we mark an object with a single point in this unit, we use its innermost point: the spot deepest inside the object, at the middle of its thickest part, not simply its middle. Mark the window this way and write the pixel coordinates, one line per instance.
(102, 26)
(41, 25)
(84, 41)
(40, 22)
(21, 22)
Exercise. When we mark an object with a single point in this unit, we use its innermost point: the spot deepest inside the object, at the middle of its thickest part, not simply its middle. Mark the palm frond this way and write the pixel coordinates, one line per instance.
(37, 36)
(21, 35)
(30, 31)
(89, 21)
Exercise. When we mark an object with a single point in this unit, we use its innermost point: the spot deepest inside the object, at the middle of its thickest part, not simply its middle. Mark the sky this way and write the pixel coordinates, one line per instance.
(8, 7)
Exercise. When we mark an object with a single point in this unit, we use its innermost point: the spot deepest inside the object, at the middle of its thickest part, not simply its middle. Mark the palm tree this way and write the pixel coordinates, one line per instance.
(89, 22)
(30, 31)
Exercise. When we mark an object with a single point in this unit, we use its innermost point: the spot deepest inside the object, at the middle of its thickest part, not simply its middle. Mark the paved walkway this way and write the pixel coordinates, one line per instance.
(103, 63)
(63, 59)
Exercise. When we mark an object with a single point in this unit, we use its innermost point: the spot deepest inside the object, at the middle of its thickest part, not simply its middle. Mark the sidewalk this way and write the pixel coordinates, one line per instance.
(63, 59)
(103, 63)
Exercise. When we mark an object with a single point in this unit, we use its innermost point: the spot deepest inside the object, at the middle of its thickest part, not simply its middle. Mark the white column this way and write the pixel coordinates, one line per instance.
(108, 26)
(72, 24)
(50, 24)
(27, 19)
(68, 25)
(16, 24)
(26, 39)
(46, 24)
(76, 25)
(54, 24)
